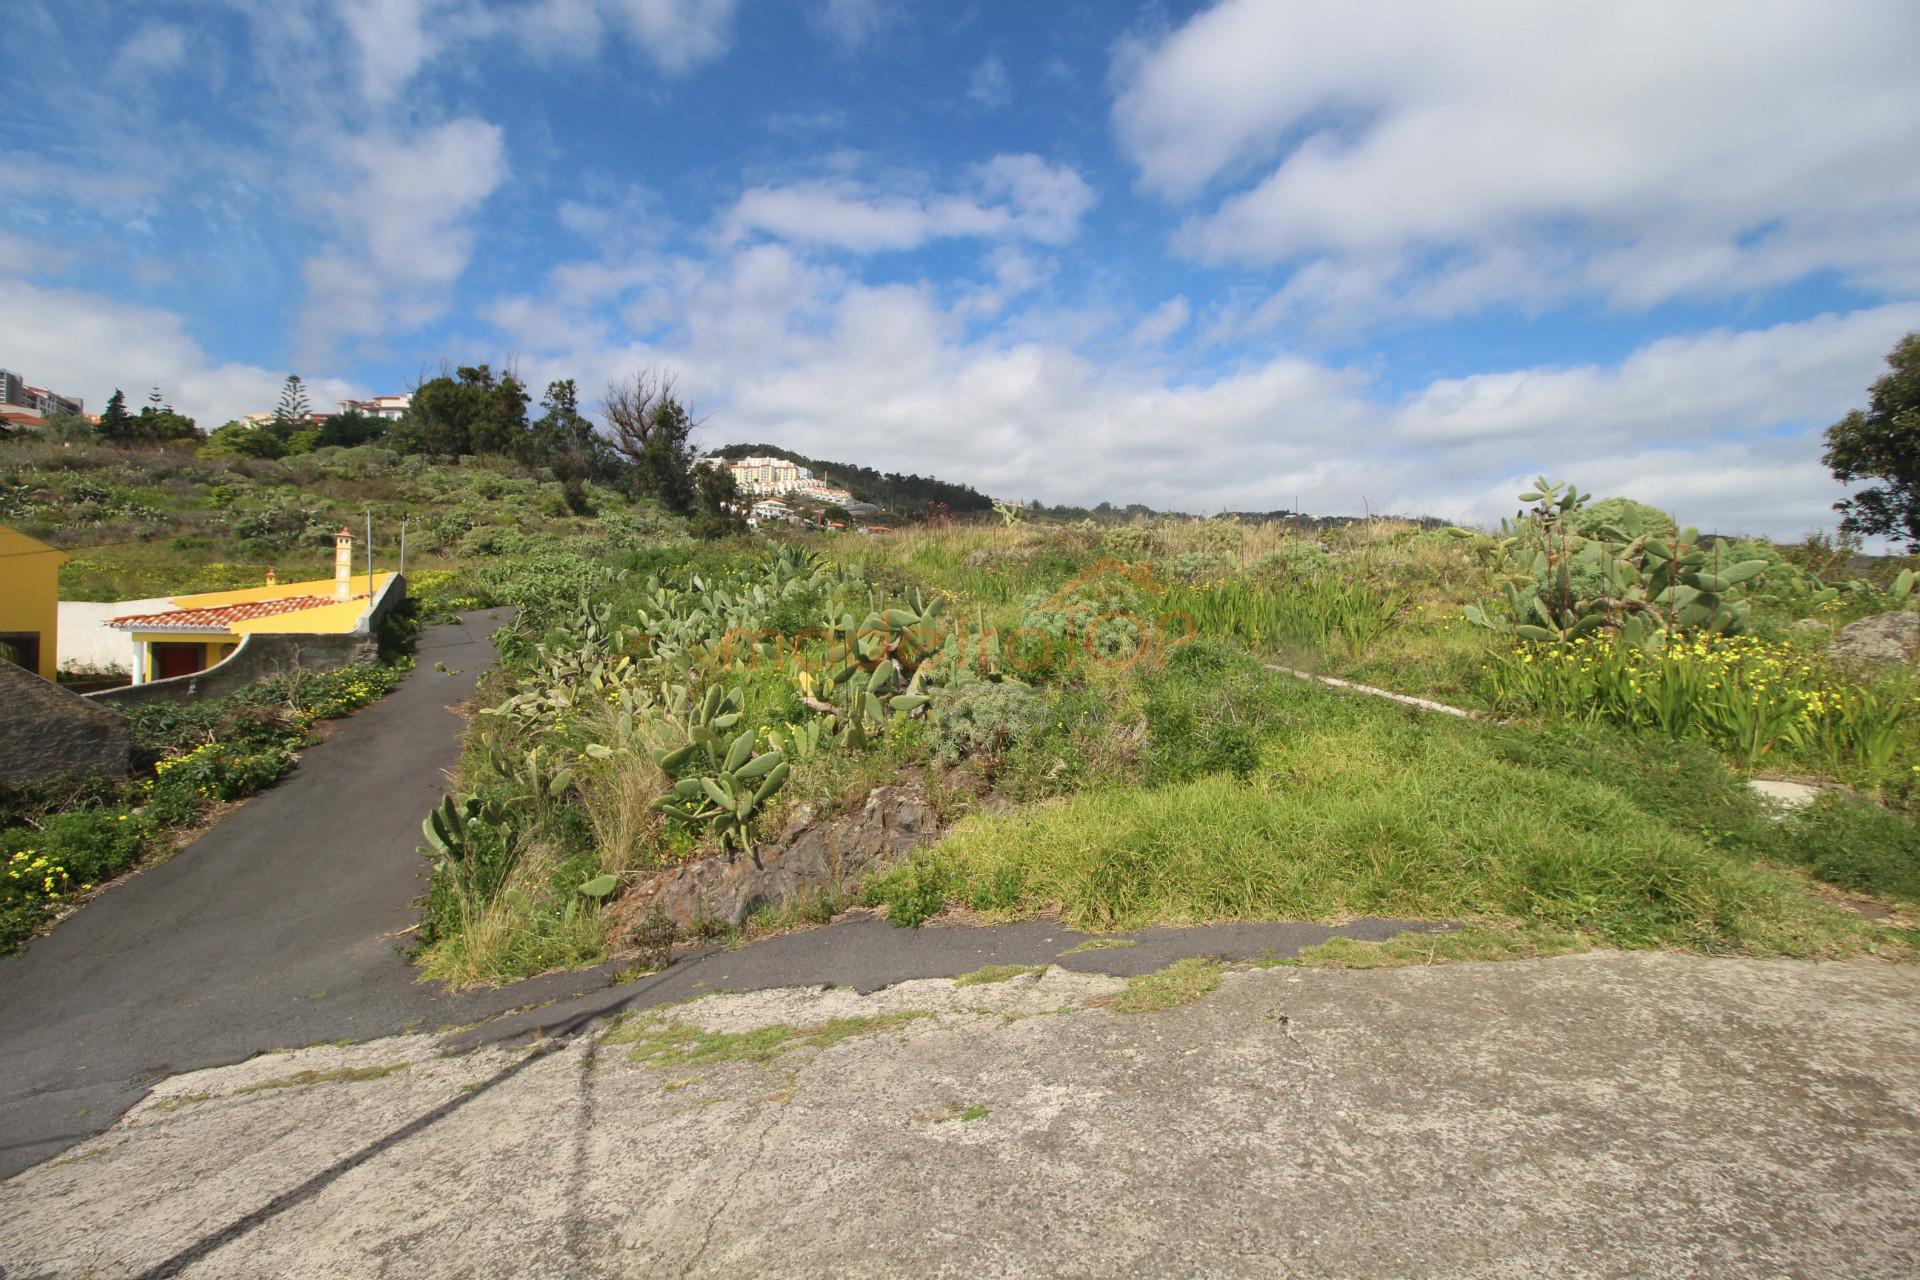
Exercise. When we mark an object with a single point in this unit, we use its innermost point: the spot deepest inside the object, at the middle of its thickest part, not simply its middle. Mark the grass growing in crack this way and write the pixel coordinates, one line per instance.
(997, 973)
(179, 1102)
(1099, 944)
(658, 1042)
(1181, 982)
(1409, 949)
(339, 1075)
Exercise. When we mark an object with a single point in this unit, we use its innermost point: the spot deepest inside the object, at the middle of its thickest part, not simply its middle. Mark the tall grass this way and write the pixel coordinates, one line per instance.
(1758, 701)
(1356, 812)
(1323, 613)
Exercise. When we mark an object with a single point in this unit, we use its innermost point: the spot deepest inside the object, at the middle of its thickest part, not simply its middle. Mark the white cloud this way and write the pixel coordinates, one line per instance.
(394, 38)
(1681, 150)
(849, 24)
(678, 34)
(1677, 389)
(989, 86)
(153, 48)
(404, 210)
(32, 257)
(1722, 426)
(85, 345)
(1012, 196)
(1162, 323)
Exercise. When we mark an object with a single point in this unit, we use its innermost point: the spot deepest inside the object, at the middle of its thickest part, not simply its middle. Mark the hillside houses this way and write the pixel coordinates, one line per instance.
(778, 478)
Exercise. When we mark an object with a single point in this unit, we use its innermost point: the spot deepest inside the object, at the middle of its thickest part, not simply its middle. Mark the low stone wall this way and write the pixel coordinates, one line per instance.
(47, 731)
(260, 655)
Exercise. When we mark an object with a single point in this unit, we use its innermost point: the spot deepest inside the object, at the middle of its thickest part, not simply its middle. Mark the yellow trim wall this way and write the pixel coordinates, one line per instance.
(327, 619)
(30, 593)
(280, 591)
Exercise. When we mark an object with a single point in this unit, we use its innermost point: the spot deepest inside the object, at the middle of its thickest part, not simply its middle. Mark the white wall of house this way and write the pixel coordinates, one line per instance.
(87, 641)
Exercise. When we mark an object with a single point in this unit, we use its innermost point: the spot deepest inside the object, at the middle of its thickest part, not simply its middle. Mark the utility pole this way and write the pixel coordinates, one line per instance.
(403, 546)
(369, 557)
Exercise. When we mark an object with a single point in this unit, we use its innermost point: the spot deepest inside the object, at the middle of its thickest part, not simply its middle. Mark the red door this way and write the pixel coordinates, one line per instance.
(178, 660)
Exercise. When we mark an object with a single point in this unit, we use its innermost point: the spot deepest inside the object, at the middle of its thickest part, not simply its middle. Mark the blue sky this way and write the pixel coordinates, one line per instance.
(1201, 256)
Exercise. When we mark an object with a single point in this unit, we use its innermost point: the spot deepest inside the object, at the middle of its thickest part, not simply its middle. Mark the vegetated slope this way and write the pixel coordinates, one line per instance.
(910, 495)
(168, 520)
(1098, 698)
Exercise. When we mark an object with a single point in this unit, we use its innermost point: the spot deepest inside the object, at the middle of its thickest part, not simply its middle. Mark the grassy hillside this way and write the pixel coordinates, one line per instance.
(908, 495)
(1096, 714)
(156, 521)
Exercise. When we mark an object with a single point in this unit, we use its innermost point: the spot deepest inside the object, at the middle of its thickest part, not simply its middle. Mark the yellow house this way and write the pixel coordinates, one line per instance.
(203, 629)
(30, 602)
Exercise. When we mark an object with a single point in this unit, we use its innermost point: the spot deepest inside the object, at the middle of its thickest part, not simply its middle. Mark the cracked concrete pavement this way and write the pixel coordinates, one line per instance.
(1604, 1114)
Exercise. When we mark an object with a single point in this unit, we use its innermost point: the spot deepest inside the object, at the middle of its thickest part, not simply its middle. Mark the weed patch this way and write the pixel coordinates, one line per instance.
(1408, 949)
(340, 1075)
(997, 973)
(1099, 944)
(659, 1042)
(1181, 982)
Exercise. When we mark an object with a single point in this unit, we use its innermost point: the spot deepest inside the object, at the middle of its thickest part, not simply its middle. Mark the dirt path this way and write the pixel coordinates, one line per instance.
(1596, 1115)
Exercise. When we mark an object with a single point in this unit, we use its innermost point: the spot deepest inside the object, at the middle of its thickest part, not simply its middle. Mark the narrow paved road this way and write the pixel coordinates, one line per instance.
(284, 926)
(281, 926)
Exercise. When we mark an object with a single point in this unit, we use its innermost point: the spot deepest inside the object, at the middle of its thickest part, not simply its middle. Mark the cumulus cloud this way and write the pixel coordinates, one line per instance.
(1721, 427)
(153, 48)
(989, 86)
(404, 213)
(1010, 196)
(676, 35)
(86, 345)
(1676, 389)
(849, 24)
(1447, 159)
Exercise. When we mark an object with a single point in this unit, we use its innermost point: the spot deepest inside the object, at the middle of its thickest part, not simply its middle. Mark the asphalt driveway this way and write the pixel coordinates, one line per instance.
(282, 926)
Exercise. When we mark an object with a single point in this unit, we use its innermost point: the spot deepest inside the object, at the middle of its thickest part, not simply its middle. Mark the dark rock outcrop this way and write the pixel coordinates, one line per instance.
(813, 858)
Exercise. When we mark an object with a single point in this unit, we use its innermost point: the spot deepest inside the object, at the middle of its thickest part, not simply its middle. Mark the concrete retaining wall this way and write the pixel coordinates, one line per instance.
(87, 641)
(46, 731)
(262, 655)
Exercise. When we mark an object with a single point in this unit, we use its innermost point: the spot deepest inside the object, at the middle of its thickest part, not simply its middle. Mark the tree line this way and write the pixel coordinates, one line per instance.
(646, 449)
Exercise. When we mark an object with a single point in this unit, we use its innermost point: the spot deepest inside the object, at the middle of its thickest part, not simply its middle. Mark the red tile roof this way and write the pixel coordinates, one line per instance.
(219, 617)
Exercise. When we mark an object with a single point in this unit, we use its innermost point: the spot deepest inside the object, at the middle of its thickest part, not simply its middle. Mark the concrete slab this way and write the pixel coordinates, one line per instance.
(1604, 1114)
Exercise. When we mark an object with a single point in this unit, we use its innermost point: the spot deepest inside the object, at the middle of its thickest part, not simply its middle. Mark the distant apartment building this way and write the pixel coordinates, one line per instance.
(392, 408)
(758, 477)
(779, 478)
(16, 391)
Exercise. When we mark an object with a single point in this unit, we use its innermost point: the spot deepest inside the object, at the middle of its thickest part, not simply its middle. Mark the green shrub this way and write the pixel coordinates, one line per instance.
(221, 771)
(1206, 713)
(93, 845)
(983, 719)
(1624, 514)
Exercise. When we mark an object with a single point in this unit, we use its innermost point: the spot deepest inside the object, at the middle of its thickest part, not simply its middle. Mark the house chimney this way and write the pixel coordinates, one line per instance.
(343, 565)
(272, 577)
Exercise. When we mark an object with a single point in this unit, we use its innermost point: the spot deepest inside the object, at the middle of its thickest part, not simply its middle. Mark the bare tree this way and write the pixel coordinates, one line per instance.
(630, 410)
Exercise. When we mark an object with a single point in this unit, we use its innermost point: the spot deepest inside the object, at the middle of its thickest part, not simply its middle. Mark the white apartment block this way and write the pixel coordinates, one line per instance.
(392, 408)
(767, 477)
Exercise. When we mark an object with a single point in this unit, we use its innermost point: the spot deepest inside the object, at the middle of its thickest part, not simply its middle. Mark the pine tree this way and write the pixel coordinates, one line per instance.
(116, 424)
(292, 411)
